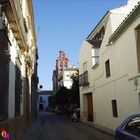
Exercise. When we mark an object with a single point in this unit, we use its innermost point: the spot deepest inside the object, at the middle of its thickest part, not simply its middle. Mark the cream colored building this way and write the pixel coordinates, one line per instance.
(18, 66)
(65, 79)
(109, 68)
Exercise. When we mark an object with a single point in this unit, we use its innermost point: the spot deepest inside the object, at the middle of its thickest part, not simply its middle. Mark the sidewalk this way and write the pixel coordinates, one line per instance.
(100, 128)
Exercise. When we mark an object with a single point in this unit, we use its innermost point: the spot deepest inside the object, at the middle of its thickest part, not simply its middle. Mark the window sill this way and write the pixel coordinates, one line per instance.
(84, 84)
(3, 120)
(95, 66)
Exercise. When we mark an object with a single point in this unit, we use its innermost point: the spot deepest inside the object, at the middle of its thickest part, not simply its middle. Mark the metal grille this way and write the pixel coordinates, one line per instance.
(4, 76)
(83, 79)
(114, 108)
(18, 89)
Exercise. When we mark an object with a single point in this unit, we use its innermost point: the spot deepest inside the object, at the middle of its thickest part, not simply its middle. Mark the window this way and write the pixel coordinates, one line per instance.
(33, 93)
(133, 126)
(84, 66)
(18, 90)
(65, 65)
(107, 68)
(4, 76)
(67, 75)
(96, 42)
(139, 97)
(114, 108)
(4, 82)
(138, 46)
(83, 79)
(95, 56)
(41, 99)
(60, 65)
(25, 25)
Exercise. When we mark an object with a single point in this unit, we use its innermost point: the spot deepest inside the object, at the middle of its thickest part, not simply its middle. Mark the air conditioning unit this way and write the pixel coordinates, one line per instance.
(2, 24)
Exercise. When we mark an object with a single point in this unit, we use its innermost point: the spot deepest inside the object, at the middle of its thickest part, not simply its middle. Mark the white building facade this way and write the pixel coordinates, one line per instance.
(109, 68)
(65, 79)
(18, 66)
(43, 102)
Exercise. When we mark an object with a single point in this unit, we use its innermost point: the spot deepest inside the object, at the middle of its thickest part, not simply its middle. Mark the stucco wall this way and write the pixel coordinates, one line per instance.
(123, 66)
(45, 102)
(85, 56)
(120, 86)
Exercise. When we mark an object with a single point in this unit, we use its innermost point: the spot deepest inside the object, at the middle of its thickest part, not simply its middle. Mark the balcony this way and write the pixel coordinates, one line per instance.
(13, 12)
(17, 6)
(83, 79)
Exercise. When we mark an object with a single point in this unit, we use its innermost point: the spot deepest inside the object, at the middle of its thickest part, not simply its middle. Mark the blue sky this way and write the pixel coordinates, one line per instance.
(64, 24)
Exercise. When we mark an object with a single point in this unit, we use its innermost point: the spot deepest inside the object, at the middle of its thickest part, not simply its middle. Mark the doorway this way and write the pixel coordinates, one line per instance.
(41, 107)
(90, 107)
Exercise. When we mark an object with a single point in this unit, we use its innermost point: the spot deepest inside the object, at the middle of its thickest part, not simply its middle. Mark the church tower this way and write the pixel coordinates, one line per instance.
(62, 62)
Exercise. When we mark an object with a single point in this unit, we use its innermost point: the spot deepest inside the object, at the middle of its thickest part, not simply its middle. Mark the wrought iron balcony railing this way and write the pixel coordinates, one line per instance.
(83, 79)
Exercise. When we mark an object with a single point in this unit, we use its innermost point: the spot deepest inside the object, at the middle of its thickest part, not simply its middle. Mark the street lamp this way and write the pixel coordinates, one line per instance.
(40, 86)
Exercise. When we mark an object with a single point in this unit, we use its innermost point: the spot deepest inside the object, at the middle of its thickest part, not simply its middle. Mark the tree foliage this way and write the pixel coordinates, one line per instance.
(75, 89)
(66, 97)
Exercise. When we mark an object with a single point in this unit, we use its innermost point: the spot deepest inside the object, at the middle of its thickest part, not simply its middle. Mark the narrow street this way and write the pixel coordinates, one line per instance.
(50, 126)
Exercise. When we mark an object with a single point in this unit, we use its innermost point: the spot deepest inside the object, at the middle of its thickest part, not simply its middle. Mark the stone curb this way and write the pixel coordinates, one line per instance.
(100, 128)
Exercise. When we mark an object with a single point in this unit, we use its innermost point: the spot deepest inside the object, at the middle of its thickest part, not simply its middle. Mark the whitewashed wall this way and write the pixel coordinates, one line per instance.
(121, 84)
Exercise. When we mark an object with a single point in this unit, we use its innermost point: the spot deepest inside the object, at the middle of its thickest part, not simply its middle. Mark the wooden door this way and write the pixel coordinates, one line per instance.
(90, 107)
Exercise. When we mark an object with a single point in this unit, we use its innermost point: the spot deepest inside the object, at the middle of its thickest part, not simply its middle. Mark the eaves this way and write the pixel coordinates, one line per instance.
(98, 25)
(126, 23)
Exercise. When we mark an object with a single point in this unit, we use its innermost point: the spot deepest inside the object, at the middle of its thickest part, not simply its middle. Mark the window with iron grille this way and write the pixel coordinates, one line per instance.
(4, 76)
(84, 66)
(18, 87)
(32, 96)
(107, 68)
(139, 97)
(114, 108)
(138, 46)
(83, 79)
(4, 82)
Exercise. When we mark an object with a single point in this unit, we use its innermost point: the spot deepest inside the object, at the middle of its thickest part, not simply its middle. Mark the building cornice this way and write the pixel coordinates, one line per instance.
(30, 9)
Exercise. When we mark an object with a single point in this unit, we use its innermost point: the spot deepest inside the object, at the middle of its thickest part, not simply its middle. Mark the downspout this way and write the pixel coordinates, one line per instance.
(0, 10)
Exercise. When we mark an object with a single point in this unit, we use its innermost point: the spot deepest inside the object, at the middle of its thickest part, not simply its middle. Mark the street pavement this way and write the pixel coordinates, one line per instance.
(49, 126)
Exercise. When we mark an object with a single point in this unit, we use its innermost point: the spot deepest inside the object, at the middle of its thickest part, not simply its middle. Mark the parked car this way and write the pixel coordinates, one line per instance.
(51, 109)
(60, 110)
(129, 129)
